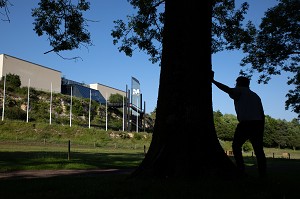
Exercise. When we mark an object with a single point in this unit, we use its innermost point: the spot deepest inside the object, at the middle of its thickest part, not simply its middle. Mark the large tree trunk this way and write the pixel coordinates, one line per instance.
(184, 140)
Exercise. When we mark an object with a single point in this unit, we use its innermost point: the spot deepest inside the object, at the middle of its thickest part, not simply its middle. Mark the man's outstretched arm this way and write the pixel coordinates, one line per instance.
(221, 86)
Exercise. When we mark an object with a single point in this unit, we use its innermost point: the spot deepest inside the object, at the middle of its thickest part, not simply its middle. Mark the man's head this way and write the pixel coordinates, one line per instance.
(242, 81)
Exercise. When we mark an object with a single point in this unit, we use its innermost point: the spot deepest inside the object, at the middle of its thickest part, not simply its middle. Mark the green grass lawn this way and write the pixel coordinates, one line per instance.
(35, 157)
(283, 181)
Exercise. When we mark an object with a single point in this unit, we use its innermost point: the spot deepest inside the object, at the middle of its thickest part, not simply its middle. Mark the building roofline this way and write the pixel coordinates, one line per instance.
(58, 71)
(110, 87)
(30, 62)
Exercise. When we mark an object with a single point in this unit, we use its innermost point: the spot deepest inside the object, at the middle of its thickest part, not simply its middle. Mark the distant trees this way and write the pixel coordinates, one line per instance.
(281, 133)
(278, 133)
(225, 125)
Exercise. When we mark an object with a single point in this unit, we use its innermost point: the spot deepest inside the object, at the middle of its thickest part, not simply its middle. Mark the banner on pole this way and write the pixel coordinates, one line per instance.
(135, 93)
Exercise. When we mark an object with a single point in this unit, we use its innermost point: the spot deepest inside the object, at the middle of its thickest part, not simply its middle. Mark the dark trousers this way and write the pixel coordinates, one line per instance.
(252, 131)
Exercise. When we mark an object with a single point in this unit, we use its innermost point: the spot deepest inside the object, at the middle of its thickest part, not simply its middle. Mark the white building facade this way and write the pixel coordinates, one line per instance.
(33, 75)
(106, 91)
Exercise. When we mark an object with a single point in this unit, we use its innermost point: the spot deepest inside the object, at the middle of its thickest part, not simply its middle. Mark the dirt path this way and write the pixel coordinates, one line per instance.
(64, 172)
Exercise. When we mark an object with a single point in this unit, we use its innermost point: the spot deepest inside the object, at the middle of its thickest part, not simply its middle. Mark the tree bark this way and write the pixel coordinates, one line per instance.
(184, 142)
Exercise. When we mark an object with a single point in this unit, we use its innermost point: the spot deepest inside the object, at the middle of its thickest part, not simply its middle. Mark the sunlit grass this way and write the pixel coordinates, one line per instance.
(32, 157)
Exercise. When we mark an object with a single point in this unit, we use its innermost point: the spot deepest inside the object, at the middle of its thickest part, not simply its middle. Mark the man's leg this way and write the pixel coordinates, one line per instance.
(257, 143)
(238, 141)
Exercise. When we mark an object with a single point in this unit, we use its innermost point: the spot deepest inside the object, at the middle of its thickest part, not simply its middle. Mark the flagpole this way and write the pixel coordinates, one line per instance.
(137, 114)
(28, 100)
(71, 108)
(90, 109)
(123, 113)
(50, 121)
(3, 105)
(106, 114)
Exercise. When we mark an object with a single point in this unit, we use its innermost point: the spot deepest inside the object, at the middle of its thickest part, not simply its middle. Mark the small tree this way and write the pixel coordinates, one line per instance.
(116, 98)
(12, 82)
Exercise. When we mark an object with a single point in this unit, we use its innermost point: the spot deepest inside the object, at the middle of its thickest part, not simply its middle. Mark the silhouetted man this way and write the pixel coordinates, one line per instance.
(250, 114)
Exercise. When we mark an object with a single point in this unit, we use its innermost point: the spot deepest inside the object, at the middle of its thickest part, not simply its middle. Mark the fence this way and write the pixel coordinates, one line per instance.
(285, 155)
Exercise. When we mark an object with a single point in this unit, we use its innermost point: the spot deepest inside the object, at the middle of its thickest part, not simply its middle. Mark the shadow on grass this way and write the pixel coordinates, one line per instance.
(10, 161)
(282, 183)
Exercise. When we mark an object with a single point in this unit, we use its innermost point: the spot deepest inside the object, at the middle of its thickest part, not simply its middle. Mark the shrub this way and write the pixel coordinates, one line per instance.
(15, 113)
(247, 147)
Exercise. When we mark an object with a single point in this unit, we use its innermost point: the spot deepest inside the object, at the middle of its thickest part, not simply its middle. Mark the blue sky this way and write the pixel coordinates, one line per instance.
(102, 63)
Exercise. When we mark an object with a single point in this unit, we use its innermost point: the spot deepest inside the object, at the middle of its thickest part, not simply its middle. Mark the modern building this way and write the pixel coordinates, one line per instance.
(106, 91)
(70, 87)
(43, 78)
(31, 74)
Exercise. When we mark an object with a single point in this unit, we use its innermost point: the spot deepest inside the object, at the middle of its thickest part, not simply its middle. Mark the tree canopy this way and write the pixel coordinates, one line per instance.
(144, 30)
(63, 23)
(271, 49)
(275, 48)
(4, 4)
